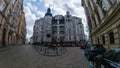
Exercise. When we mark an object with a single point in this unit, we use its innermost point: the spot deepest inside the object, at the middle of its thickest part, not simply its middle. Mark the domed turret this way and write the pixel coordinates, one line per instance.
(48, 12)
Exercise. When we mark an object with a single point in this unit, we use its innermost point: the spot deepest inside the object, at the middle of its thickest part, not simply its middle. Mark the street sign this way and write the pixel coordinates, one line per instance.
(48, 35)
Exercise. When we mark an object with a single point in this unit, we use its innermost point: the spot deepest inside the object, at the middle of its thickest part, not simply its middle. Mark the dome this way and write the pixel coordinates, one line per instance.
(48, 12)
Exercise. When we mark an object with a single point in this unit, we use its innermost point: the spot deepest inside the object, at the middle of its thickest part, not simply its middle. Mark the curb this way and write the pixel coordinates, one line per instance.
(6, 48)
(90, 66)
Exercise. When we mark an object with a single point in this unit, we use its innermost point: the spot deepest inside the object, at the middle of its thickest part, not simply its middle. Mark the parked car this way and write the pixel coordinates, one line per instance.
(110, 59)
(82, 46)
(93, 50)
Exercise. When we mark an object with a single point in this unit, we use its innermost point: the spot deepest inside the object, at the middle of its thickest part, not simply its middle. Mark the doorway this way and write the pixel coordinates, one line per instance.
(4, 37)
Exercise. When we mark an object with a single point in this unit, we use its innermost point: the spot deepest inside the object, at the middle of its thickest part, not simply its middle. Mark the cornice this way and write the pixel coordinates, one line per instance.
(107, 19)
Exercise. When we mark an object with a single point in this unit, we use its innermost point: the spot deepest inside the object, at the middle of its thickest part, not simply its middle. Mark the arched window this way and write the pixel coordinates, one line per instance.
(103, 7)
(112, 1)
(2, 5)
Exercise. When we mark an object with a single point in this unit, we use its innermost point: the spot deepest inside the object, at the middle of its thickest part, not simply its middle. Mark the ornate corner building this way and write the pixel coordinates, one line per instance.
(12, 22)
(103, 18)
(58, 28)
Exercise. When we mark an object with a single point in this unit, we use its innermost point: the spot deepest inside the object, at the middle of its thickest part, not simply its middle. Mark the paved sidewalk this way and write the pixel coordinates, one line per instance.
(27, 57)
(5, 48)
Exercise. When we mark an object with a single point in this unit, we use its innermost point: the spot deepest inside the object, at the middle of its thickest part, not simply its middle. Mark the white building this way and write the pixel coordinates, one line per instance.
(59, 28)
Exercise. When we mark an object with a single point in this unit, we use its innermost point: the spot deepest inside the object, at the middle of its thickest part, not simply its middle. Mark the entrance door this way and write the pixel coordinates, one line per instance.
(4, 37)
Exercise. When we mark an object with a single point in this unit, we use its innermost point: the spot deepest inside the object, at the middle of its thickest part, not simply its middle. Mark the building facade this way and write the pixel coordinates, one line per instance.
(58, 28)
(12, 22)
(104, 22)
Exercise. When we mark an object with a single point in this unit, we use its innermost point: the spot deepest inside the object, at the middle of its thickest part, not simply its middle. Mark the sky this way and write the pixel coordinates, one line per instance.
(35, 9)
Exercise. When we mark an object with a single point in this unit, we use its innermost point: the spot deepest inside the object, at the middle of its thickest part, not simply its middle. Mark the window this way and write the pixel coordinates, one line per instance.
(103, 39)
(0, 26)
(93, 2)
(16, 9)
(112, 1)
(14, 1)
(2, 5)
(61, 22)
(69, 20)
(98, 41)
(103, 7)
(54, 28)
(111, 36)
(61, 39)
(54, 32)
(62, 32)
(20, 1)
(54, 22)
(62, 28)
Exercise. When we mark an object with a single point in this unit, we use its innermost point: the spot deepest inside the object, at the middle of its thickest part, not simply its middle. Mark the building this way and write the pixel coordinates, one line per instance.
(31, 40)
(58, 28)
(12, 22)
(104, 22)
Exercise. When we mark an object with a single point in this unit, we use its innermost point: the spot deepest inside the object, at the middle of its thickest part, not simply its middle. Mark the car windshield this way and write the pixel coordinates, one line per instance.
(96, 47)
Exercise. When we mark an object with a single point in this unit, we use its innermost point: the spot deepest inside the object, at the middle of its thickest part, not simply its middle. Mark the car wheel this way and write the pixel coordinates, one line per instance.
(102, 66)
(97, 65)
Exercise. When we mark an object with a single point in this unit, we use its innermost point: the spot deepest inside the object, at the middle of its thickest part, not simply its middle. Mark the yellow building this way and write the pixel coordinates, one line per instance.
(10, 13)
(21, 29)
(104, 22)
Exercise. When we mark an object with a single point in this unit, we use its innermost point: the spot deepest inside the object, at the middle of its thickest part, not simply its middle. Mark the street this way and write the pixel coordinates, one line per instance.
(25, 56)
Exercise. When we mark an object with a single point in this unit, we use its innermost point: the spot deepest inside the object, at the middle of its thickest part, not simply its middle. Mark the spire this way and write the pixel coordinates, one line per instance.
(48, 12)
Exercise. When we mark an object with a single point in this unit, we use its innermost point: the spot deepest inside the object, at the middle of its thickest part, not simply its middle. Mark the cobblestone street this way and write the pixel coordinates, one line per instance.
(26, 57)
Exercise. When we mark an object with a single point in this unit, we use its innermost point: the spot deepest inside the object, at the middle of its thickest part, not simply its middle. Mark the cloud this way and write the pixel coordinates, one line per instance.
(57, 7)
(30, 19)
(40, 13)
(32, 7)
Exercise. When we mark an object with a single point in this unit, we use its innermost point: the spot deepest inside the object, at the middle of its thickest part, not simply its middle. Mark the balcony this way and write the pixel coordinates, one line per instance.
(62, 27)
(54, 29)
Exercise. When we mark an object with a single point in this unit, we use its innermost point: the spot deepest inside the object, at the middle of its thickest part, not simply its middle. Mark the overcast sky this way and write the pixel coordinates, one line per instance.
(35, 9)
